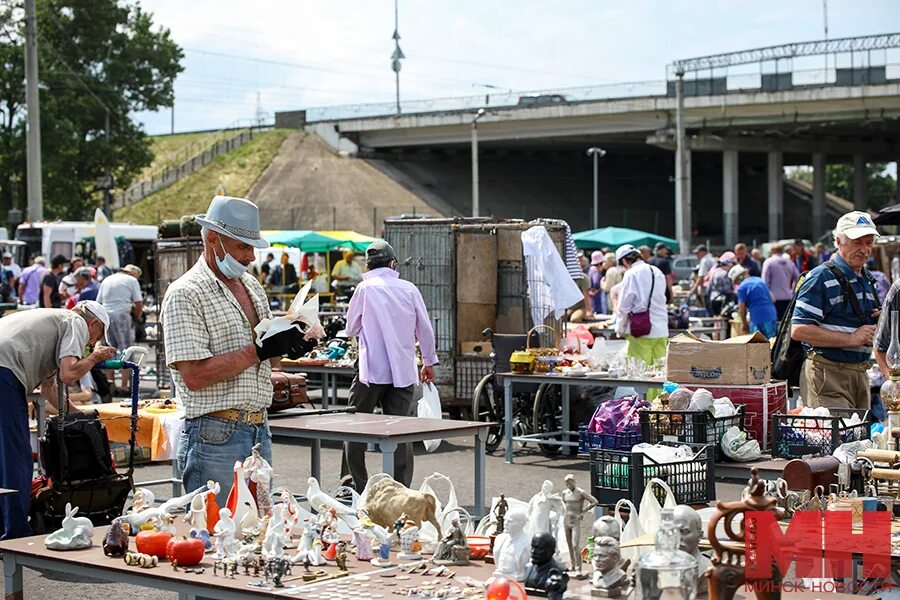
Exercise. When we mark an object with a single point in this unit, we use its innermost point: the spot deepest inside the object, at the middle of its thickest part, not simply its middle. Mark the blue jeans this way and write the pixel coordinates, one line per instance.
(209, 447)
(16, 466)
(767, 328)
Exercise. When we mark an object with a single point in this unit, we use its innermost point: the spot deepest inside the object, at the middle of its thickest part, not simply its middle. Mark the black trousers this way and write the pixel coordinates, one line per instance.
(780, 308)
(394, 401)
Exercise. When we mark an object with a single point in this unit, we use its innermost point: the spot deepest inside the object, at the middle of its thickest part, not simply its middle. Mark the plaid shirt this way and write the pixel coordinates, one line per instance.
(201, 318)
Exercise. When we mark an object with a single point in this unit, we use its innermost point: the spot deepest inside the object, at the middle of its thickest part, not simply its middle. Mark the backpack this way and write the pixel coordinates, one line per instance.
(788, 354)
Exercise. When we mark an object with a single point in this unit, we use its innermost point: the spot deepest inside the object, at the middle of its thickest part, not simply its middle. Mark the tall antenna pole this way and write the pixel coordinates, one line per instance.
(397, 55)
(33, 140)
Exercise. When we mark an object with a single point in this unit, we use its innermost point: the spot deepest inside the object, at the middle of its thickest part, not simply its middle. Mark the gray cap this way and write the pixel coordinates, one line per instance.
(7, 255)
(379, 251)
(237, 218)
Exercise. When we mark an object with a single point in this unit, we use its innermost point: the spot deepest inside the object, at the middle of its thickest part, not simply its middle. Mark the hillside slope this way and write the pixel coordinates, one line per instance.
(309, 186)
(237, 171)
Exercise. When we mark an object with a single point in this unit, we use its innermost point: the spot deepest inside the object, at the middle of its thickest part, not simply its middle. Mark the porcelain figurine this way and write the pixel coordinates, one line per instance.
(575, 499)
(249, 525)
(690, 525)
(511, 548)
(167, 524)
(363, 544)
(386, 501)
(540, 508)
(410, 547)
(196, 514)
(144, 561)
(276, 537)
(224, 533)
(115, 542)
(341, 558)
(500, 513)
(259, 474)
(453, 547)
(609, 570)
(142, 500)
(202, 535)
(321, 502)
(240, 501)
(75, 533)
(543, 574)
(157, 514)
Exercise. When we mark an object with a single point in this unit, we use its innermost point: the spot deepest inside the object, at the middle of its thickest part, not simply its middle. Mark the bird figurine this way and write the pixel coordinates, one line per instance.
(322, 503)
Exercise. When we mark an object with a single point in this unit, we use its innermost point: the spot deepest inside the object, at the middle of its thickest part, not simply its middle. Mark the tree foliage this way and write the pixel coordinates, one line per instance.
(98, 60)
(839, 182)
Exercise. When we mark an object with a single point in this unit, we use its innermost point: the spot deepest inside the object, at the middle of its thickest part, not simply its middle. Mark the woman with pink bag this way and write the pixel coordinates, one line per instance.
(642, 318)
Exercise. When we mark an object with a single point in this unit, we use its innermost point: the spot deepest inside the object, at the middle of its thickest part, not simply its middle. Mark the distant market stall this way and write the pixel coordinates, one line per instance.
(613, 237)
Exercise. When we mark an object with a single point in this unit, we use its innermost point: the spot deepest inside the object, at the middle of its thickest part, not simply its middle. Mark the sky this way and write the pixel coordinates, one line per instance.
(244, 59)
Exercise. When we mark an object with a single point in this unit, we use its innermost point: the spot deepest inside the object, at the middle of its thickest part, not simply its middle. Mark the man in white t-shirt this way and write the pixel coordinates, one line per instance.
(120, 295)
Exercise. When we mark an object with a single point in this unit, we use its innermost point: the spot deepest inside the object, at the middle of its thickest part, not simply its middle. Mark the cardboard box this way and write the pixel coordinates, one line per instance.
(742, 360)
(480, 348)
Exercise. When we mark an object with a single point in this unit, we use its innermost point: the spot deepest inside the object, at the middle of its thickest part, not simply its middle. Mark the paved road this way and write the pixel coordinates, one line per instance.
(291, 462)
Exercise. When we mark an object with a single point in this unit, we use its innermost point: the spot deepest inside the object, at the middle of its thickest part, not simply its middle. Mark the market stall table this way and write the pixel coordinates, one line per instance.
(157, 429)
(329, 375)
(386, 431)
(364, 580)
(640, 385)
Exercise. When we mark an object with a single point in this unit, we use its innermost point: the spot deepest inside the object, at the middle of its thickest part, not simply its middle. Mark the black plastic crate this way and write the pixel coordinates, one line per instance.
(689, 427)
(796, 436)
(617, 474)
(589, 440)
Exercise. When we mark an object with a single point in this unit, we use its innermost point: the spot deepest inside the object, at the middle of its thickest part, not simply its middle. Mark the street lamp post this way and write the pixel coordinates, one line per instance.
(475, 204)
(597, 153)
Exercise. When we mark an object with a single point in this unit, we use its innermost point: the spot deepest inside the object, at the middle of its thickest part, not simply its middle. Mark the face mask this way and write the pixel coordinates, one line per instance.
(229, 266)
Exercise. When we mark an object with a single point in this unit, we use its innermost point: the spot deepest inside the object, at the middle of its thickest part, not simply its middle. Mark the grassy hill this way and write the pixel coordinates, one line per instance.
(237, 171)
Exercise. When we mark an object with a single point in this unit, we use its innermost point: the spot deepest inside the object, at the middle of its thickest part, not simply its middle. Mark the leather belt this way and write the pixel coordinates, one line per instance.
(239, 416)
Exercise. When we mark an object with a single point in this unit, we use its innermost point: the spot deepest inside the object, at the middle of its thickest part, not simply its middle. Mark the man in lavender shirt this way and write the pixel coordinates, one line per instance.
(388, 314)
(780, 274)
(30, 281)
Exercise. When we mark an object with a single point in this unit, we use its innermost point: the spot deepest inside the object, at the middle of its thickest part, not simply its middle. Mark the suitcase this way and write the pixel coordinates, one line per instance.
(288, 391)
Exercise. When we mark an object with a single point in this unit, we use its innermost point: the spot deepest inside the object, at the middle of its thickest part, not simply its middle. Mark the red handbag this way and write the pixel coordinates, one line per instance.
(640, 321)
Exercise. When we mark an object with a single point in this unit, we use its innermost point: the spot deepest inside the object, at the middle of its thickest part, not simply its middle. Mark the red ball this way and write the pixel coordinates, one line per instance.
(498, 588)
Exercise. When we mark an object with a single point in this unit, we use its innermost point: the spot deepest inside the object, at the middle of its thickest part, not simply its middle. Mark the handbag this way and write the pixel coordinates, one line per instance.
(288, 391)
(640, 321)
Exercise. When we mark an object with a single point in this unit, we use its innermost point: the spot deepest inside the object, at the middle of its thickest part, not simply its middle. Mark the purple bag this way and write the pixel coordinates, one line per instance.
(618, 416)
(640, 321)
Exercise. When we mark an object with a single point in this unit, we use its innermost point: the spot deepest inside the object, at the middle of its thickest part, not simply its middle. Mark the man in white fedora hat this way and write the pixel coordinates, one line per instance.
(222, 376)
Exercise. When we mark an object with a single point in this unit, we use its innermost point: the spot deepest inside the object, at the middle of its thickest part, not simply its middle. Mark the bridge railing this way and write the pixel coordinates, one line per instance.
(695, 84)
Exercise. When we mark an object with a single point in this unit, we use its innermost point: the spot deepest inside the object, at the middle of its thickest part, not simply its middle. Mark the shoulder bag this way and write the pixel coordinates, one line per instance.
(640, 321)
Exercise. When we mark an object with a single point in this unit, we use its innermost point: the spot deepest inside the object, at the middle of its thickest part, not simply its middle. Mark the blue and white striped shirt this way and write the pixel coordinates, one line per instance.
(821, 302)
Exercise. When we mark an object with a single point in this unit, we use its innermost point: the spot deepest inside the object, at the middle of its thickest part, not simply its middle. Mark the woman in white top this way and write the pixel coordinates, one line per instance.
(643, 288)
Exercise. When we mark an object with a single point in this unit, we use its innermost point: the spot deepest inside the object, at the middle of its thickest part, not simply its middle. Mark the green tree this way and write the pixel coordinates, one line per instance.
(839, 182)
(99, 61)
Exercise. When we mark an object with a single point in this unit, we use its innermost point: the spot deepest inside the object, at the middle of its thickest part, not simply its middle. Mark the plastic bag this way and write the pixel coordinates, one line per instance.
(617, 416)
(723, 407)
(701, 400)
(630, 530)
(442, 511)
(680, 399)
(651, 512)
(429, 407)
(738, 447)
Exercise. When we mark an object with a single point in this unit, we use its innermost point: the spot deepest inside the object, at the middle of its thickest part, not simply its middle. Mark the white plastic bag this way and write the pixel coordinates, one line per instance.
(443, 511)
(738, 447)
(650, 511)
(429, 407)
(629, 531)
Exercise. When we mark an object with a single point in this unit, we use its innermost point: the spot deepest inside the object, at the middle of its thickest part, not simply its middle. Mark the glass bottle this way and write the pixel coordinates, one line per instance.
(666, 569)
(890, 389)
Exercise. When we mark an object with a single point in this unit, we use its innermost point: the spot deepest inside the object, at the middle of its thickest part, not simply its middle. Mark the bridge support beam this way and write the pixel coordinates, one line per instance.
(775, 175)
(730, 201)
(683, 220)
(860, 183)
(818, 204)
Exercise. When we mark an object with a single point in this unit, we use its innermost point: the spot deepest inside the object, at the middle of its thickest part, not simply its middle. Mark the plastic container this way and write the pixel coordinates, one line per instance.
(690, 427)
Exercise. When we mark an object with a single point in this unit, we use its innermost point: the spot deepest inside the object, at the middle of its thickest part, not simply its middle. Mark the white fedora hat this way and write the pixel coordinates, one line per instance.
(237, 218)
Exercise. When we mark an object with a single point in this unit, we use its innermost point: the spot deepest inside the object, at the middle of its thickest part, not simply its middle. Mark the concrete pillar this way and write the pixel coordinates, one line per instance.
(730, 196)
(775, 193)
(860, 183)
(683, 219)
(818, 207)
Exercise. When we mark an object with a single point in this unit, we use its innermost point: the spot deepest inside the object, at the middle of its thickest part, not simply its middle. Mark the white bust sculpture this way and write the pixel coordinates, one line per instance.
(512, 548)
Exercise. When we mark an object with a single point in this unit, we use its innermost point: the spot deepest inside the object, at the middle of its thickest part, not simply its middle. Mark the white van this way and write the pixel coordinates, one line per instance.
(50, 238)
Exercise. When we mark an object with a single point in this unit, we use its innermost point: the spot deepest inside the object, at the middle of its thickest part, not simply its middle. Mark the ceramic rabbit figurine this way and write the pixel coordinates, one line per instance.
(75, 534)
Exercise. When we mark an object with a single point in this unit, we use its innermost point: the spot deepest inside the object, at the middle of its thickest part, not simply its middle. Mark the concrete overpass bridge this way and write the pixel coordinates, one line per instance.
(740, 133)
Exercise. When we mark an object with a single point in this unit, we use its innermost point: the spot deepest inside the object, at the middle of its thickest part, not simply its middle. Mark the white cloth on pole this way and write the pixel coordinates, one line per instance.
(550, 286)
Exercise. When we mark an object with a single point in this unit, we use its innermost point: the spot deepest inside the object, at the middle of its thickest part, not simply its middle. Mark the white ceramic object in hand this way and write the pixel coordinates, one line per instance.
(75, 534)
